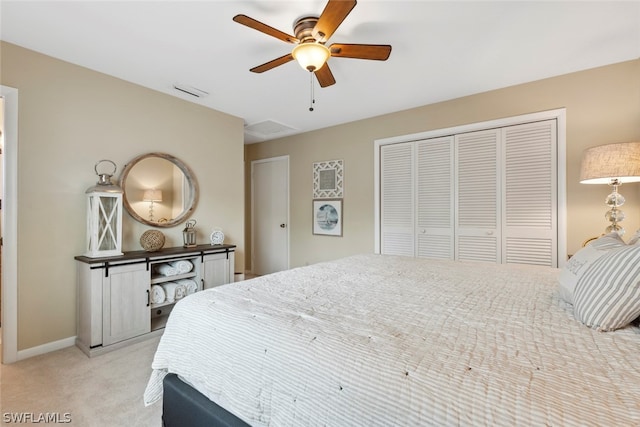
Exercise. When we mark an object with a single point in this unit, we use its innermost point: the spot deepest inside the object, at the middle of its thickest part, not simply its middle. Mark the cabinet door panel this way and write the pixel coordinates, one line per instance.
(125, 303)
(216, 270)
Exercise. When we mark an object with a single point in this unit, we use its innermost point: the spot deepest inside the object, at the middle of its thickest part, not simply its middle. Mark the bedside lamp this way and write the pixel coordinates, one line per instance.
(612, 164)
(152, 196)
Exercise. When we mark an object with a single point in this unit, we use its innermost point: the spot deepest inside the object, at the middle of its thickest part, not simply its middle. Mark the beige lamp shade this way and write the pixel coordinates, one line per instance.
(152, 196)
(604, 163)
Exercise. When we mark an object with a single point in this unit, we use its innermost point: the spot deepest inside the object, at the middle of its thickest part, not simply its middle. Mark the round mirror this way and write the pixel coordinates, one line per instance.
(159, 190)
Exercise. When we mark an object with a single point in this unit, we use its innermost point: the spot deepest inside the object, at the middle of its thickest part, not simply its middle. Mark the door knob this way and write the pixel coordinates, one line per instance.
(282, 225)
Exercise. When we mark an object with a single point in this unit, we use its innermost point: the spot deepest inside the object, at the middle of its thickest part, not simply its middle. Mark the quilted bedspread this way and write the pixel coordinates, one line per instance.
(375, 340)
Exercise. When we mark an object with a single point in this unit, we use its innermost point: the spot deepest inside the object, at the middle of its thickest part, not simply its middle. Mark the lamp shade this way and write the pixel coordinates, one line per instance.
(152, 196)
(604, 163)
(311, 56)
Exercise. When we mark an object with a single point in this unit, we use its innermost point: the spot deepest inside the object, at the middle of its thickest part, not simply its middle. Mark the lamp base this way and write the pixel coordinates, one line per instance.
(615, 215)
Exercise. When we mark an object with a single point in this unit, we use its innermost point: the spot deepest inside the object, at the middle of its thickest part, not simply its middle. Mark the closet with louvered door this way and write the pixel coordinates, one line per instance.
(397, 178)
(530, 208)
(488, 195)
(477, 193)
(434, 198)
(417, 198)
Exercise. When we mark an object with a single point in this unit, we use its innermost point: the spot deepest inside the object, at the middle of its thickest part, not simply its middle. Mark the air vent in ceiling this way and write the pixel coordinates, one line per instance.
(268, 129)
(190, 90)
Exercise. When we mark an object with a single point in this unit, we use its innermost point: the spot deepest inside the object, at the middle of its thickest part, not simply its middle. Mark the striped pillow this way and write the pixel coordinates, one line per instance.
(580, 262)
(607, 296)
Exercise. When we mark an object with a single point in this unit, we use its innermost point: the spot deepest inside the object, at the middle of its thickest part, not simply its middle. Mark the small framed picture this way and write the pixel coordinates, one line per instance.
(327, 217)
(328, 179)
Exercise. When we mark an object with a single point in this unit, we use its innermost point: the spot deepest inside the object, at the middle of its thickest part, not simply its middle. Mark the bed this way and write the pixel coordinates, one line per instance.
(376, 340)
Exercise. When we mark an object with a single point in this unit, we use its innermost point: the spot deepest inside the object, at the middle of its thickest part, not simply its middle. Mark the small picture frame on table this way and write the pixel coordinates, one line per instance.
(327, 217)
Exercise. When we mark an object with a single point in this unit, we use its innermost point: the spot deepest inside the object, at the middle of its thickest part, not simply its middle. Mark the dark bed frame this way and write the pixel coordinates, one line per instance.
(183, 405)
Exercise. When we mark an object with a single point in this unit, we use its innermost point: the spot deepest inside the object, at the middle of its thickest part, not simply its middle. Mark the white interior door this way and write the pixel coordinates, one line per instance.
(9, 218)
(270, 215)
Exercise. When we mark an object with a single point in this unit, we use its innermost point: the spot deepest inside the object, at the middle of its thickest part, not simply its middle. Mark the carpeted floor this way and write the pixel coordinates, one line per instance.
(101, 391)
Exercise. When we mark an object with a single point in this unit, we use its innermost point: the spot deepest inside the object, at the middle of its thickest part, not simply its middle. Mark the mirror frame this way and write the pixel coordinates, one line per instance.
(191, 180)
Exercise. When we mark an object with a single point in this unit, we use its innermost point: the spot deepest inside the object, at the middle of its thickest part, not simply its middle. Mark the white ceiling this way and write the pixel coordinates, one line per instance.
(441, 50)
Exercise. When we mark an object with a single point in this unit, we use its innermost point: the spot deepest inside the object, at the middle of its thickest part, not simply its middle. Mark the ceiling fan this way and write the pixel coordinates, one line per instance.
(311, 34)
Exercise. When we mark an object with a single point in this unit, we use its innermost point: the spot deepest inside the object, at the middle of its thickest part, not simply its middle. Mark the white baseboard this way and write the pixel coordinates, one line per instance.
(46, 348)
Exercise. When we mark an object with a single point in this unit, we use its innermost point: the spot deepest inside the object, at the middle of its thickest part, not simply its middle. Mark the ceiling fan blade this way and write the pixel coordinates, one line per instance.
(325, 76)
(332, 16)
(264, 28)
(272, 64)
(379, 52)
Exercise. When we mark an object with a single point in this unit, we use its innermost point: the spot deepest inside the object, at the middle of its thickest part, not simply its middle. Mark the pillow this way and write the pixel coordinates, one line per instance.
(607, 295)
(578, 264)
(635, 239)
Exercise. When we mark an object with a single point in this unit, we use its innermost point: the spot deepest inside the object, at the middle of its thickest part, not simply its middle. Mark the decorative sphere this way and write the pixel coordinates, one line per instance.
(614, 215)
(615, 199)
(152, 240)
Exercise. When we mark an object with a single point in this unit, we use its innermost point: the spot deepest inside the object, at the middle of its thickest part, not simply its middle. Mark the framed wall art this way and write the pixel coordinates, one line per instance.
(328, 179)
(327, 217)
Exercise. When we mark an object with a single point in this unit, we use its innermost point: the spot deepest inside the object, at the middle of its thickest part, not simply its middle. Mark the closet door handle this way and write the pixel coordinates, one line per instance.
(148, 298)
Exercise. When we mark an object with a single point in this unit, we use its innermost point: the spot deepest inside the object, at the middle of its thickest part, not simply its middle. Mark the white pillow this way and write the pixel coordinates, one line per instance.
(635, 238)
(578, 264)
(607, 295)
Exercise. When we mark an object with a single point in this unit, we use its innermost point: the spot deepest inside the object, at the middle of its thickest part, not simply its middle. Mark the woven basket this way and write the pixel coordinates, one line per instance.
(152, 240)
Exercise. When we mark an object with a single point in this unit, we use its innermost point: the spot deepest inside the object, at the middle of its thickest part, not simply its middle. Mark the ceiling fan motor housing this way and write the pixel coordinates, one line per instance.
(303, 28)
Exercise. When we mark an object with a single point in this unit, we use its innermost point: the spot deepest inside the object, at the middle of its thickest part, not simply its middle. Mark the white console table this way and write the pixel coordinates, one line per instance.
(114, 304)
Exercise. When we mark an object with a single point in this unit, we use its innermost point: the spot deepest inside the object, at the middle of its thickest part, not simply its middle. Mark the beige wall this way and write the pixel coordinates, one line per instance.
(71, 117)
(602, 105)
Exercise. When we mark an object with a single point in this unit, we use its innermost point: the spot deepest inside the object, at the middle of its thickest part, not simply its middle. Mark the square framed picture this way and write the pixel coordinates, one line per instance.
(327, 217)
(328, 179)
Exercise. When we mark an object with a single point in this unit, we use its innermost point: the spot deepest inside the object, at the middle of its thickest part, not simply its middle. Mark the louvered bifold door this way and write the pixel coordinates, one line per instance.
(530, 205)
(477, 201)
(434, 198)
(396, 199)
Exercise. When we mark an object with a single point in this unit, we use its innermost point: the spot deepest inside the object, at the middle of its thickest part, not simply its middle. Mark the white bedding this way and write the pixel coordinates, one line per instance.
(375, 340)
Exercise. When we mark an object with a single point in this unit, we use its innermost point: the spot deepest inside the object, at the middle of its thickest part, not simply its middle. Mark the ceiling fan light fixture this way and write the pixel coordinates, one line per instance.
(311, 56)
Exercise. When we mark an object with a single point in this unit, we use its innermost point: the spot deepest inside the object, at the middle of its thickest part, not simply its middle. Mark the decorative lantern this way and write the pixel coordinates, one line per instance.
(189, 234)
(104, 216)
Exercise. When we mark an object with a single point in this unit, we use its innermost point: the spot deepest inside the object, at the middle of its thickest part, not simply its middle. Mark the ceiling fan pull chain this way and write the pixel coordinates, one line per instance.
(312, 97)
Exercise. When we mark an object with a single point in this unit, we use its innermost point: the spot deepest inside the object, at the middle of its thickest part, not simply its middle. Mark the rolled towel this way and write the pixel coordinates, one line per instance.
(190, 285)
(157, 294)
(170, 290)
(166, 270)
(182, 266)
(181, 291)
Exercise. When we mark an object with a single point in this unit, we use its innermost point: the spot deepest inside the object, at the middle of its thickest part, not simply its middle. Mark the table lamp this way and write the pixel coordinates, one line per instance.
(612, 164)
